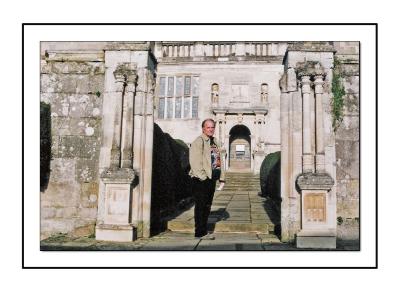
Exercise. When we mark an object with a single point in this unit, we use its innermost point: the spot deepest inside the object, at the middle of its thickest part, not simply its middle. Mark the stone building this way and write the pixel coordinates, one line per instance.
(264, 96)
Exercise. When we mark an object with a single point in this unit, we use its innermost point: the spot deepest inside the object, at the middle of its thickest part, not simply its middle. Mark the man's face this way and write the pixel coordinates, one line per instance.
(209, 128)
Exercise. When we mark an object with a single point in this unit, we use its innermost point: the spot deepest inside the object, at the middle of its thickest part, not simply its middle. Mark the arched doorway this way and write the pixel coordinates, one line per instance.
(239, 148)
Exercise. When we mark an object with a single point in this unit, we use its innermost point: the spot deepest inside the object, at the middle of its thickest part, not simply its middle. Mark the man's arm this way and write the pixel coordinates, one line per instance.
(196, 159)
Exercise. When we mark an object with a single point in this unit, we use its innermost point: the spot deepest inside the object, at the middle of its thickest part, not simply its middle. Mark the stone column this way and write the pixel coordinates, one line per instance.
(116, 180)
(318, 226)
(319, 125)
(308, 158)
(148, 155)
(116, 140)
(143, 149)
(127, 121)
(224, 134)
(218, 126)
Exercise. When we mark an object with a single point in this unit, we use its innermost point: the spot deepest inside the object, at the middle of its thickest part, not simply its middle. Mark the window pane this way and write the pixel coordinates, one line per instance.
(161, 107)
(179, 86)
(195, 105)
(178, 107)
(162, 87)
(186, 110)
(187, 85)
(170, 86)
(196, 85)
(169, 108)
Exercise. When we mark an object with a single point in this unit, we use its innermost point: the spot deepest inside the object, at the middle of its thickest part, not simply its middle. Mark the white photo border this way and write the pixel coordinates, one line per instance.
(364, 33)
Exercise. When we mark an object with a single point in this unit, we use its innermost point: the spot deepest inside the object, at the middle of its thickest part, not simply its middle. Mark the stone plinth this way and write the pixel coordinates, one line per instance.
(116, 224)
(112, 232)
(316, 239)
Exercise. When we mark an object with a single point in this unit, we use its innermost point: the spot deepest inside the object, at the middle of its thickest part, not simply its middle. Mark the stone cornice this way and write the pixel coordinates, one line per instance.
(222, 59)
(118, 175)
(128, 46)
(314, 181)
(311, 47)
(74, 56)
(250, 110)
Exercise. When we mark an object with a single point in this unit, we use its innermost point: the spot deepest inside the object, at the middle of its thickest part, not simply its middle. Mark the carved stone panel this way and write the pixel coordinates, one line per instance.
(240, 93)
(315, 208)
(117, 203)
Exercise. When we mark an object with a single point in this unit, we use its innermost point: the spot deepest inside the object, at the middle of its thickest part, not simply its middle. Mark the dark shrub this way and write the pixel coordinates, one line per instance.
(270, 175)
(171, 186)
(45, 144)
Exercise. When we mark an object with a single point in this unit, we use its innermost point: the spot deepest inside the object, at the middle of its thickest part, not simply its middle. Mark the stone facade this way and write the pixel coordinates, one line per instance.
(73, 84)
(106, 96)
(347, 142)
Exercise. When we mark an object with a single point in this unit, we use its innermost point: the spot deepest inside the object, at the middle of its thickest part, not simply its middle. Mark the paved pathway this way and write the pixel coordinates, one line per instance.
(180, 241)
(237, 208)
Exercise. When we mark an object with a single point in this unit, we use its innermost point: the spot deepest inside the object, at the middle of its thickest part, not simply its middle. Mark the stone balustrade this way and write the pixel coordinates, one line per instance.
(221, 49)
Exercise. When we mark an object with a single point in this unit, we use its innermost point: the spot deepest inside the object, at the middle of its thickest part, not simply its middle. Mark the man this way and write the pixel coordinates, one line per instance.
(206, 168)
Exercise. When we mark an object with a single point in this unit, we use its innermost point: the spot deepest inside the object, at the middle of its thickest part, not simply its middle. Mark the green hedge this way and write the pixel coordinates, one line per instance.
(45, 144)
(171, 184)
(270, 175)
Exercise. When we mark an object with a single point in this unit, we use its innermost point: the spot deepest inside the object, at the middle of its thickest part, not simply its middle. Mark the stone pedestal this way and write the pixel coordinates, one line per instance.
(318, 226)
(116, 224)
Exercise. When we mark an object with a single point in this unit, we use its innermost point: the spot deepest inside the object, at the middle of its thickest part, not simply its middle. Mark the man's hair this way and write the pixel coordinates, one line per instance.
(206, 120)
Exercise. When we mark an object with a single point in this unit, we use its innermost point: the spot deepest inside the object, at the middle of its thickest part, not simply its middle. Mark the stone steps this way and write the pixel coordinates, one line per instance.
(263, 228)
(242, 182)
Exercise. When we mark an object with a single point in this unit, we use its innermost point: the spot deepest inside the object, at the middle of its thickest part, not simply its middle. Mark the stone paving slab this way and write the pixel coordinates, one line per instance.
(183, 241)
(236, 215)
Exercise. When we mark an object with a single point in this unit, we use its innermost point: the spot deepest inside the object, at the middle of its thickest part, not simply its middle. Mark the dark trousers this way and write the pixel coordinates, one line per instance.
(203, 192)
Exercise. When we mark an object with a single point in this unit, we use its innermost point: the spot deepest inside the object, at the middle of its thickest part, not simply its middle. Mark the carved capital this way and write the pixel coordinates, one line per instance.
(318, 83)
(310, 69)
(125, 73)
(305, 84)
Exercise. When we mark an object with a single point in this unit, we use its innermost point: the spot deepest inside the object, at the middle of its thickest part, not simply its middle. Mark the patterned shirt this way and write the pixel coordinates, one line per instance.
(215, 160)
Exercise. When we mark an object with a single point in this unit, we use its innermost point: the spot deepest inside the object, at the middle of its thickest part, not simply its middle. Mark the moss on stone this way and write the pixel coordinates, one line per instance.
(338, 95)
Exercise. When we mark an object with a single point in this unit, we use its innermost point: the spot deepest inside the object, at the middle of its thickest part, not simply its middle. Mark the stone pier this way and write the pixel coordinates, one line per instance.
(307, 174)
(126, 155)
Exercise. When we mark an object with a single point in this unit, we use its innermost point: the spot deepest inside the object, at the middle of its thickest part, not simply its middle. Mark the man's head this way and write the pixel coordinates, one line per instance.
(208, 127)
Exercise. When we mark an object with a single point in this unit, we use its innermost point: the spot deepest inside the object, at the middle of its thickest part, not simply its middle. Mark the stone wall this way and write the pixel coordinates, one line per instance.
(72, 84)
(348, 142)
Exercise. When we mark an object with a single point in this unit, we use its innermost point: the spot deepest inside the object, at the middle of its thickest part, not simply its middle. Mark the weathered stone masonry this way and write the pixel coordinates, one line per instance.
(73, 84)
(347, 140)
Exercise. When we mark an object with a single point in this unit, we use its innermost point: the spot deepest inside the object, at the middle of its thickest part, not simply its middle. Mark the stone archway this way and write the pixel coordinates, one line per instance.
(239, 148)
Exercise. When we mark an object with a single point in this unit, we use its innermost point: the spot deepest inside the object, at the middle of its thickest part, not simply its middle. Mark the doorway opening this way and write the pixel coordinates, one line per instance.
(239, 148)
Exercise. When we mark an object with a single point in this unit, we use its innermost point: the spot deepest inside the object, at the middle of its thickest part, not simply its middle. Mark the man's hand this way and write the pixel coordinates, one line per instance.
(221, 186)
